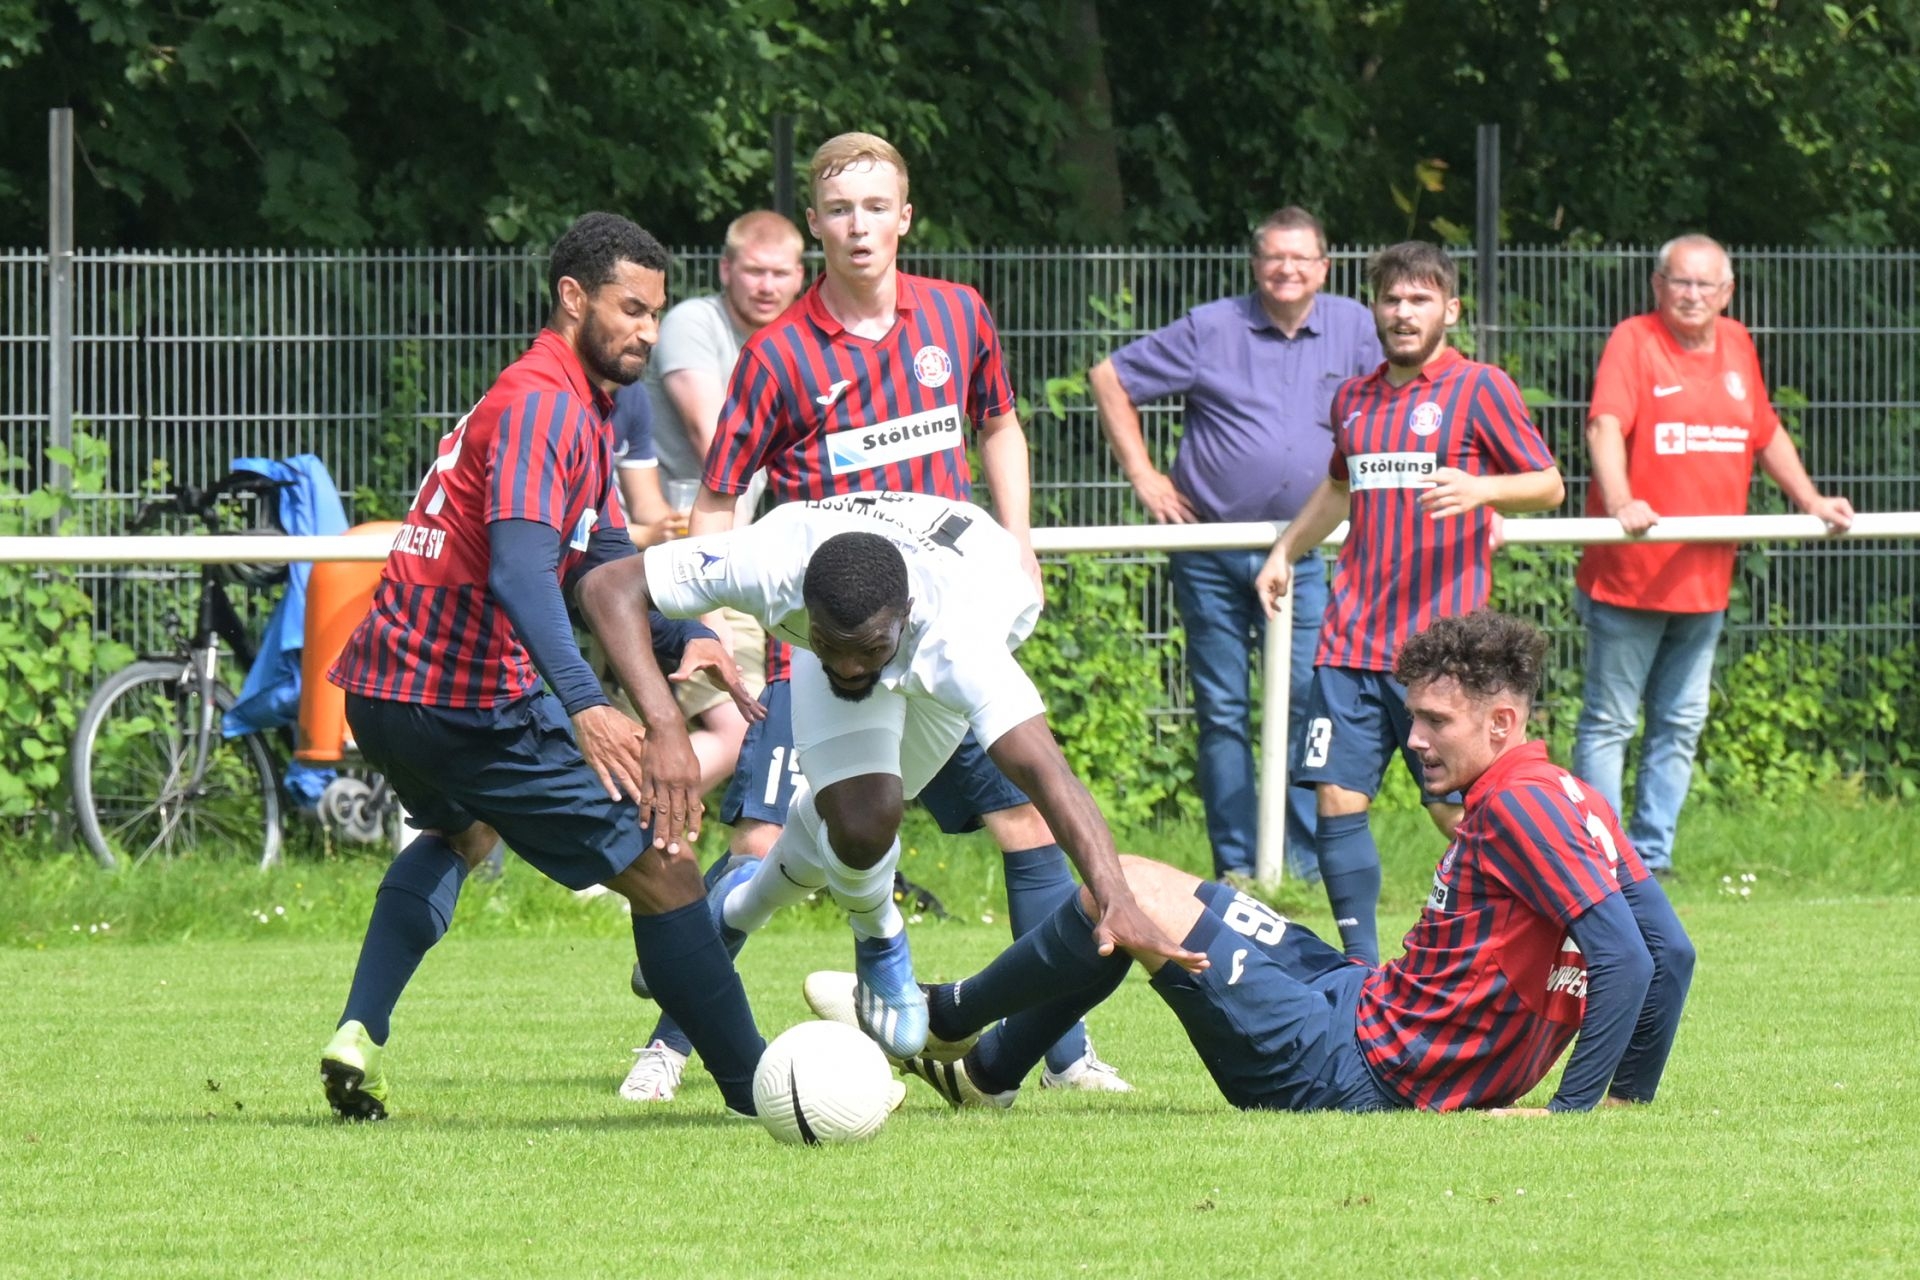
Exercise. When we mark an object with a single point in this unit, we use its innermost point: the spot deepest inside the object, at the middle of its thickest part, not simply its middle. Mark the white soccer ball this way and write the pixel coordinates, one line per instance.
(824, 1082)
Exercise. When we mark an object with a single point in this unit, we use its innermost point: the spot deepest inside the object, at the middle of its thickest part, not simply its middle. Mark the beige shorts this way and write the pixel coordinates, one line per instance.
(703, 693)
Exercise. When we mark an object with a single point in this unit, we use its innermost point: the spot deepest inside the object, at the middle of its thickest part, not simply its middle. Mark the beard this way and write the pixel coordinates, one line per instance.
(1421, 354)
(606, 360)
(854, 695)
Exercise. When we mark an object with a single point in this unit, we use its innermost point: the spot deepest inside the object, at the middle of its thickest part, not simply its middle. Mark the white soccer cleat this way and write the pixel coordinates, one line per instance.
(830, 994)
(656, 1074)
(1088, 1073)
(951, 1081)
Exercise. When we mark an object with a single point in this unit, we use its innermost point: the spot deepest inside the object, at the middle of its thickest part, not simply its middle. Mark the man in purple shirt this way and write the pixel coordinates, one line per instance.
(1258, 372)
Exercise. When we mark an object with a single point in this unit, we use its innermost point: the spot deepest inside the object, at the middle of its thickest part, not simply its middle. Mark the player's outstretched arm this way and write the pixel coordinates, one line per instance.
(1031, 759)
(1003, 456)
(1646, 1058)
(616, 603)
(1325, 508)
(1619, 972)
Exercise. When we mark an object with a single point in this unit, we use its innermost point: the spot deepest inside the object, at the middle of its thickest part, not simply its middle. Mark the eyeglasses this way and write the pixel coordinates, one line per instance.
(1286, 261)
(1702, 287)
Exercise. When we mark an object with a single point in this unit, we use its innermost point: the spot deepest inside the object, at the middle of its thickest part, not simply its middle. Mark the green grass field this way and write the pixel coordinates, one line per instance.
(160, 1112)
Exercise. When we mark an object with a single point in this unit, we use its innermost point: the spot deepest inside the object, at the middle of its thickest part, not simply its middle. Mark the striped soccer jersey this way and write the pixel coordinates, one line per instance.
(536, 447)
(1399, 568)
(827, 412)
(1491, 989)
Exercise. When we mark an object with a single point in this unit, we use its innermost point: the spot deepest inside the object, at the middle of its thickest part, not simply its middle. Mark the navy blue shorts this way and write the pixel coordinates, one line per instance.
(1355, 721)
(768, 770)
(515, 768)
(969, 783)
(1273, 1017)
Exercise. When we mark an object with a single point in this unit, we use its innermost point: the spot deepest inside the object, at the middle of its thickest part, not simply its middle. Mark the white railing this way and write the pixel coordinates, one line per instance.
(1535, 531)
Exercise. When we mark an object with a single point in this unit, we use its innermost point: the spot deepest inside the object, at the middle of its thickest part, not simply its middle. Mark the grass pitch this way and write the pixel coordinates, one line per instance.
(160, 1115)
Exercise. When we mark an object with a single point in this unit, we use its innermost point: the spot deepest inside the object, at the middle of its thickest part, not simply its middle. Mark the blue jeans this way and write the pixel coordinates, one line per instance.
(1665, 660)
(1213, 590)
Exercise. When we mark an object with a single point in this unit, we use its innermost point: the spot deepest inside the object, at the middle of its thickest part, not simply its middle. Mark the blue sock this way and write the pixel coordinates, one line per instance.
(697, 986)
(667, 1031)
(1038, 881)
(411, 911)
(1042, 985)
(1350, 867)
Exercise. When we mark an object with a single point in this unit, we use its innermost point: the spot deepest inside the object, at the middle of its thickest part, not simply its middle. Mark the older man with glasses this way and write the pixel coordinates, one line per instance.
(1679, 416)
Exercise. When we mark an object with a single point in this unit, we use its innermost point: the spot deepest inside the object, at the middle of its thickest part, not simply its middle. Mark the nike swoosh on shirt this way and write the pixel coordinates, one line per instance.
(833, 392)
(1668, 391)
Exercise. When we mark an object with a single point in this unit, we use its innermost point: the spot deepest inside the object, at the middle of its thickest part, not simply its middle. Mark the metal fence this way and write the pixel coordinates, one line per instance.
(184, 361)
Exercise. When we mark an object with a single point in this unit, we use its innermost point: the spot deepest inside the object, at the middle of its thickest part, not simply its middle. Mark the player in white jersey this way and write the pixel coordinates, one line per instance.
(904, 610)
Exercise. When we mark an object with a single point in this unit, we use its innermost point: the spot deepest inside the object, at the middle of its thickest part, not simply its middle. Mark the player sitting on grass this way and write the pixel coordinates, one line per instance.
(1542, 923)
(904, 609)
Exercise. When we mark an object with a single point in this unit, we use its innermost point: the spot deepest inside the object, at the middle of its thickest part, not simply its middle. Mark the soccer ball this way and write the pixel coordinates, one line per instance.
(824, 1082)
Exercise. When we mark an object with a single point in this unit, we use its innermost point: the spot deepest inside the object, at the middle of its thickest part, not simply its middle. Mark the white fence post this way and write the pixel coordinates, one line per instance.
(1269, 863)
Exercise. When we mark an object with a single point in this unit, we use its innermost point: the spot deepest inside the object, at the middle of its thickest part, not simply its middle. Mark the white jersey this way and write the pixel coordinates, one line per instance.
(972, 602)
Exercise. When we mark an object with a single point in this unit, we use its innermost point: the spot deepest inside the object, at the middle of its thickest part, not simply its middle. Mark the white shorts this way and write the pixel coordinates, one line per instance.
(885, 732)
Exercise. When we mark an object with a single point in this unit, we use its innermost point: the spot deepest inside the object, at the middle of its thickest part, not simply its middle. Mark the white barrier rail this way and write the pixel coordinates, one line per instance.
(1531, 531)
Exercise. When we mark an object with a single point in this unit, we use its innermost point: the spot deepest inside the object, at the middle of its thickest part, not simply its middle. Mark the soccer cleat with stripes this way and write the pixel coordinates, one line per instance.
(830, 994)
(951, 1081)
(887, 1003)
(350, 1073)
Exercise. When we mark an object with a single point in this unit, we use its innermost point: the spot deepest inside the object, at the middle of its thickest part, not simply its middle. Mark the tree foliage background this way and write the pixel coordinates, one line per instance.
(410, 122)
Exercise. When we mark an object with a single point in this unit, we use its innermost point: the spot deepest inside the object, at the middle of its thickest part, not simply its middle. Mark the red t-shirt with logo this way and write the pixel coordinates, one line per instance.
(1693, 421)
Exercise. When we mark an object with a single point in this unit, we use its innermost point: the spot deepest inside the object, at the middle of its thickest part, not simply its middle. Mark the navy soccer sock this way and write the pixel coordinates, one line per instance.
(695, 982)
(411, 911)
(667, 1031)
(1350, 868)
(1038, 881)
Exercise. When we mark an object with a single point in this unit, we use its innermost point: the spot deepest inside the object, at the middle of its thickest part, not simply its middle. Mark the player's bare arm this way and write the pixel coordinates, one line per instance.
(1003, 456)
(1454, 492)
(1031, 759)
(1607, 447)
(1120, 421)
(1325, 508)
(649, 519)
(615, 601)
(1781, 461)
(697, 394)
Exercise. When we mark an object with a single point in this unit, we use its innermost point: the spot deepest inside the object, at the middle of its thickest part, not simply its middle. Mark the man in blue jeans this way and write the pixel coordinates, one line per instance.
(1679, 419)
(1258, 372)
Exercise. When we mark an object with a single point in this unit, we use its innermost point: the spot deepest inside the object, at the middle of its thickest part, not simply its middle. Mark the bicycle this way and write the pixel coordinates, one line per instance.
(152, 773)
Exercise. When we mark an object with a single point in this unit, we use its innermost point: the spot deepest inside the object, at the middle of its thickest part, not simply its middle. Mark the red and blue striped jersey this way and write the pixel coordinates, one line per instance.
(536, 447)
(1491, 989)
(828, 412)
(1399, 569)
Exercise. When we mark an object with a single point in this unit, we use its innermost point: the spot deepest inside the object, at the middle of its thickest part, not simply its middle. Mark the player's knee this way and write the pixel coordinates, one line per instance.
(753, 839)
(658, 881)
(1676, 956)
(474, 844)
(1337, 802)
(862, 839)
(1020, 827)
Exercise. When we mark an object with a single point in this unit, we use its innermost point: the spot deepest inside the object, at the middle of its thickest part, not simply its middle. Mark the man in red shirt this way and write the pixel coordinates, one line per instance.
(1542, 930)
(1679, 416)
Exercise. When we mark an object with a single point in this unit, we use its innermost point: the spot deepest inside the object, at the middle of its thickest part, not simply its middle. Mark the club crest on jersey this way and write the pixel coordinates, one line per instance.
(1426, 418)
(582, 531)
(932, 366)
(691, 563)
(1736, 386)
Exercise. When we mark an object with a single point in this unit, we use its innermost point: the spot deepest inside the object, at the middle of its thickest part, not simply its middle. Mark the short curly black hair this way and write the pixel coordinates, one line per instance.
(594, 246)
(852, 578)
(1486, 652)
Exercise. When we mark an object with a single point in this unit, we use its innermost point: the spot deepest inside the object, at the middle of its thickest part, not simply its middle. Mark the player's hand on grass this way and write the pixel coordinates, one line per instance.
(1837, 512)
(1274, 580)
(615, 748)
(670, 792)
(1166, 504)
(711, 655)
(1636, 516)
(1124, 925)
(1453, 492)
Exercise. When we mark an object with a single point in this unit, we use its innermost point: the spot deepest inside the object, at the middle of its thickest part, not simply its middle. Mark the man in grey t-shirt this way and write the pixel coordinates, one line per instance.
(760, 276)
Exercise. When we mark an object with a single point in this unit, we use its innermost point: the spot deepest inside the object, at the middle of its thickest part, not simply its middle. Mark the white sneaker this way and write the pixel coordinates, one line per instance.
(1086, 1072)
(656, 1074)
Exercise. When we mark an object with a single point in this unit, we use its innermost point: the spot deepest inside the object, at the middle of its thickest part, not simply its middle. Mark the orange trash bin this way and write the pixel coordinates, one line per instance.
(339, 593)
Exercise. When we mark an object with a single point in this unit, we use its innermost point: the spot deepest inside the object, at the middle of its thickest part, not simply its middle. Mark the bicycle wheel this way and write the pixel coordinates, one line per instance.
(132, 771)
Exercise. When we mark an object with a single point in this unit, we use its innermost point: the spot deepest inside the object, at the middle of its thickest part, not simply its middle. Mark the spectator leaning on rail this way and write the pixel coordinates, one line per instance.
(1679, 416)
(1258, 372)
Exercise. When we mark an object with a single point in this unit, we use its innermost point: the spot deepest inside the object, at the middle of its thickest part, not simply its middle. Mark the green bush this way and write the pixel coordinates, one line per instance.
(49, 655)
